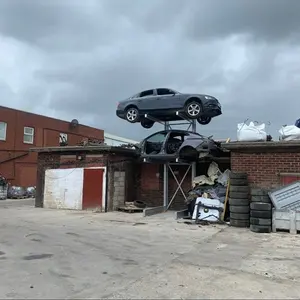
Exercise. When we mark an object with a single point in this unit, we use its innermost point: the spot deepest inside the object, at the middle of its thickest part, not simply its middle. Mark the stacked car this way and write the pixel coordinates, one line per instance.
(239, 200)
(164, 104)
(260, 211)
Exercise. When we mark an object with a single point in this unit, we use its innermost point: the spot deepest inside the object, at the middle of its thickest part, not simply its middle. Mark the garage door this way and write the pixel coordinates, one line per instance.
(93, 189)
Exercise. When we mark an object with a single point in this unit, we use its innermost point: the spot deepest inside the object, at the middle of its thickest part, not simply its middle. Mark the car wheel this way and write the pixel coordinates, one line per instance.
(132, 114)
(147, 123)
(204, 120)
(193, 109)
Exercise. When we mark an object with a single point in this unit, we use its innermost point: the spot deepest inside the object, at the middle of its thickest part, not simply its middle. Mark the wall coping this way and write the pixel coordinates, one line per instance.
(278, 146)
(84, 149)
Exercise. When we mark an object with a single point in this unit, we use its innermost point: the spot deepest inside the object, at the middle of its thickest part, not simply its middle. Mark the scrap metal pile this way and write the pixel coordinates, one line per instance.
(206, 201)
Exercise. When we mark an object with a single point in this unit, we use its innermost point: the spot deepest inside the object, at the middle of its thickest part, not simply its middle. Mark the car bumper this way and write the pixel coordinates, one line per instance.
(212, 110)
(120, 114)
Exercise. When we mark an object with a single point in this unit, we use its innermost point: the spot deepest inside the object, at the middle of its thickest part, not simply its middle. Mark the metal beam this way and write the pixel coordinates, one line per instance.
(167, 166)
(179, 185)
(166, 185)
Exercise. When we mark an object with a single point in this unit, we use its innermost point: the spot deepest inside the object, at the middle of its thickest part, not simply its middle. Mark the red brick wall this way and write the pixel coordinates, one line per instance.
(264, 168)
(151, 189)
(22, 171)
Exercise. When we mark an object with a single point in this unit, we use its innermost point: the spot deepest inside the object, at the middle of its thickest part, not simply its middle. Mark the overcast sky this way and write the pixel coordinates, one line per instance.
(77, 58)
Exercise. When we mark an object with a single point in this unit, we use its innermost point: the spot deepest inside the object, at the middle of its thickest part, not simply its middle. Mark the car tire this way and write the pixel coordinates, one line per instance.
(238, 202)
(238, 209)
(263, 199)
(261, 214)
(238, 182)
(193, 109)
(204, 120)
(239, 223)
(239, 189)
(260, 206)
(239, 195)
(261, 222)
(147, 123)
(132, 114)
(259, 192)
(238, 176)
(260, 228)
(237, 216)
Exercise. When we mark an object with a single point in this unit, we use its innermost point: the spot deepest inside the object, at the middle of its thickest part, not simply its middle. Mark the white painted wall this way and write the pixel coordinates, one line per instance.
(63, 188)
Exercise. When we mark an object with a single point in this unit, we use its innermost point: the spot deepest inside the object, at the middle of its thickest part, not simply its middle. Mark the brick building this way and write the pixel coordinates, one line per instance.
(268, 164)
(20, 131)
(123, 175)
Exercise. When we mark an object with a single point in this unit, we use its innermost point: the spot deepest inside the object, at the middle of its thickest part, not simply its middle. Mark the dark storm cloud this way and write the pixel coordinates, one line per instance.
(95, 53)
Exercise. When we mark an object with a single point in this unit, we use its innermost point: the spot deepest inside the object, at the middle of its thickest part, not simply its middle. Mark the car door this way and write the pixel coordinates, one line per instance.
(146, 100)
(166, 99)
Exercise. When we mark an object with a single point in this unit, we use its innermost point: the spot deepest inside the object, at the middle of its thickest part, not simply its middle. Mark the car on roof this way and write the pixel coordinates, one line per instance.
(170, 145)
(165, 104)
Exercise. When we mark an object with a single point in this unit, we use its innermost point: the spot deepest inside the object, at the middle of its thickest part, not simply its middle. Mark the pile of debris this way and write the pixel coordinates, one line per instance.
(206, 200)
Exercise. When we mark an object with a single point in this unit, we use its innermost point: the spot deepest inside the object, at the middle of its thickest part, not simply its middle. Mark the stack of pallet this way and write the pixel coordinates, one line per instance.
(239, 200)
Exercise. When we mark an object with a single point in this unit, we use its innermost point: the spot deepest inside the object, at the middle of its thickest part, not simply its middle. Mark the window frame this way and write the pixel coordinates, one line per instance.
(171, 92)
(155, 135)
(153, 93)
(5, 131)
(63, 134)
(27, 134)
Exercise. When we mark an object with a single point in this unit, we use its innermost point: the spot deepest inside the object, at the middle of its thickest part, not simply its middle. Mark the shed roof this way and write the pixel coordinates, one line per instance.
(96, 148)
(262, 145)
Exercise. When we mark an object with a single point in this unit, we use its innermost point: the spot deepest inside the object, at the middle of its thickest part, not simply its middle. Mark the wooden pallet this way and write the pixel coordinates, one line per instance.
(129, 207)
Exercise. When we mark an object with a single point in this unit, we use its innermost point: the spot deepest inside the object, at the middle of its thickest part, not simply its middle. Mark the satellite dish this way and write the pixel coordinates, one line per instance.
(74, 123)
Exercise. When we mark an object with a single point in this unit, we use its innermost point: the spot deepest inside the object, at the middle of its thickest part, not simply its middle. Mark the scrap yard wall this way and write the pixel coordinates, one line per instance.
(268, 164)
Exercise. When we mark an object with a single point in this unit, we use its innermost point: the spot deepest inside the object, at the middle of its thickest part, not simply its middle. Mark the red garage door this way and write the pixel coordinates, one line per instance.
(92, 195)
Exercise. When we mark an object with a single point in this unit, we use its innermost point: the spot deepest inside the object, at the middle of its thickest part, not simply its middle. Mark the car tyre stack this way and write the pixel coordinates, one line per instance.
(260, 211)
(239, 200)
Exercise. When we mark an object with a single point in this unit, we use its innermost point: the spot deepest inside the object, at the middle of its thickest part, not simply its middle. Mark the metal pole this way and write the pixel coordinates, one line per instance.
(194, 128)
(166, 184)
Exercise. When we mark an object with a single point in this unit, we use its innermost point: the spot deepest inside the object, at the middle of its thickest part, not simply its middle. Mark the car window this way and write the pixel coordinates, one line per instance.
(165, 92)
(146, 93)
(157, 138)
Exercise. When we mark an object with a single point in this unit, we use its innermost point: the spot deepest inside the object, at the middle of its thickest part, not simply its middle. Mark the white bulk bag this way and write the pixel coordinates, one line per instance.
(289, 133)
(251, 132)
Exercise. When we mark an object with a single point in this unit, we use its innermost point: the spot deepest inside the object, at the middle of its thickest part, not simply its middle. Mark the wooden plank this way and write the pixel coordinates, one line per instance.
(226, 200)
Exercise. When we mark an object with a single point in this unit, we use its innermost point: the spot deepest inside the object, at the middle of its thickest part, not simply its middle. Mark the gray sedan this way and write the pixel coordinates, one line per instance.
(163, 104)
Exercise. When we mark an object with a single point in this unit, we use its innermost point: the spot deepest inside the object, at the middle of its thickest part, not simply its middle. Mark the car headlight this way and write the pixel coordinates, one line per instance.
(209, 98)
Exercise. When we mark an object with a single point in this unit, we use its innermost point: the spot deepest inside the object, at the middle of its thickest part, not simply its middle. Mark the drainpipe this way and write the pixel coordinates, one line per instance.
(106, 185)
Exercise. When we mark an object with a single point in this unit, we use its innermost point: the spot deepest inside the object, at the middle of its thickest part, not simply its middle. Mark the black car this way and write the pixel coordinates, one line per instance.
(169, 145)
(164, 103)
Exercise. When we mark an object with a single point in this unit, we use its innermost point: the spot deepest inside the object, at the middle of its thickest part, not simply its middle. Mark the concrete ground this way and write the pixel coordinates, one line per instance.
(63, 254)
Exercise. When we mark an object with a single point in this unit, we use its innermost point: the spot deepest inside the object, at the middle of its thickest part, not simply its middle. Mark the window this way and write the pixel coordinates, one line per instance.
(63, 139)
(3, 127)
(157, 138)
(28, 135)
(146, 93)
(165, 92)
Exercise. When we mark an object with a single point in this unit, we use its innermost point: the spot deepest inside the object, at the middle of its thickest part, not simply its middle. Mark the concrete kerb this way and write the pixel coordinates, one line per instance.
(153, 210)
